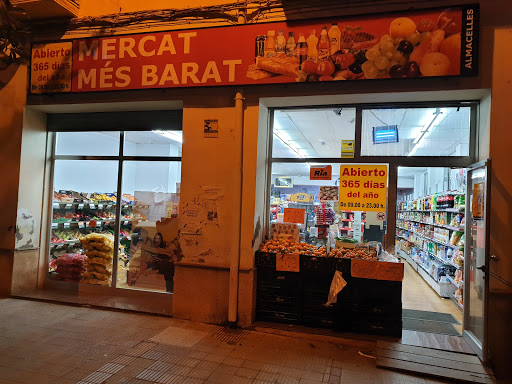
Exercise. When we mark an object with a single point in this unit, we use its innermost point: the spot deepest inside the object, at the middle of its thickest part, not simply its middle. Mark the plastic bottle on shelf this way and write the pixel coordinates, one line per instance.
(280, 43)
(290, 44)
(270, 44)
(324, 46)
(312, 42)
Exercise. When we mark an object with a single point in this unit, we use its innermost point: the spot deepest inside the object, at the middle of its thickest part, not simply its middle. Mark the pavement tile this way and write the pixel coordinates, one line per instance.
(223, 378)
(198, 373)
(253, 364)
(207, 365)
(247, 372)
(283, 379)
(235, 362)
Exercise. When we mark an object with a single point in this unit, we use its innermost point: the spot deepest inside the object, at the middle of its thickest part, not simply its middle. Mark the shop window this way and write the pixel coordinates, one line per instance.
(87, 143)
(443, 131)
(153, 143)
(151, 249)
(124, 204)
(312, 133)
(323, 220)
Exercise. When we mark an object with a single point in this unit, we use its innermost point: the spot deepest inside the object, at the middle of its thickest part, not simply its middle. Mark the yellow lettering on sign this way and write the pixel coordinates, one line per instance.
(363, 187)
(50, 68)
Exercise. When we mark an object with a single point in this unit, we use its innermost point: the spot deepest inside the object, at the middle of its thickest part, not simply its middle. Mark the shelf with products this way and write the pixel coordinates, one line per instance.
(419, 234)
(456, 301)
(458, 229)
(449, 201)
(453, 210)
(444, 261)
(452, 280)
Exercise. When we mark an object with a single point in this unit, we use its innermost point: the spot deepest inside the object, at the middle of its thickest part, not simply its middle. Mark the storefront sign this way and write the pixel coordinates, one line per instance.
(363, 187)
(288, 262)
(294, 215)
(302, 197)
(51, 68)
(322, 173)
(347, 149)
(377, 270)
(433, 42)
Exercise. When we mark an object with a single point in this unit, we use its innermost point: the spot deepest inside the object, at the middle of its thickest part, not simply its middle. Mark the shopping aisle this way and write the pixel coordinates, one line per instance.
(417, 294)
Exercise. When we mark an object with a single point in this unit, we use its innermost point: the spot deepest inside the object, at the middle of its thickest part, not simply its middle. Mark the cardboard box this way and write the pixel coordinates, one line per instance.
(341, 244)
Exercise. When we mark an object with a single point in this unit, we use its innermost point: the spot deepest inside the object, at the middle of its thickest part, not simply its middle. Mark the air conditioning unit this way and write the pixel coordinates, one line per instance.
(48, 9)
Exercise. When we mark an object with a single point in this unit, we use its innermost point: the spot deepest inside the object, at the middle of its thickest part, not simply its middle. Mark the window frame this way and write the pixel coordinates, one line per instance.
(393, 161)
(104, 122)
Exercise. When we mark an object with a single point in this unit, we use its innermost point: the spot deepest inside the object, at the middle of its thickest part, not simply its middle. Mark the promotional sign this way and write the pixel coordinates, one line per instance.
(289, 232)
(320, 173)
(363, 187)
(301, 197)
(288, 262)
(294, 215)
(211, 128)
(51, 68)
(433, 42)
(347, 149)
(376, 270)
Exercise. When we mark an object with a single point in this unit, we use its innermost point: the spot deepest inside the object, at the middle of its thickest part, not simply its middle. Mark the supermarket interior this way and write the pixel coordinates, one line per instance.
(429, 207)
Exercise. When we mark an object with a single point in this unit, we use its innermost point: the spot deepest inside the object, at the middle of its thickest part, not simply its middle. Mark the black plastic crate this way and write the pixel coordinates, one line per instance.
(343, 265)
(279, 317)
(378, 307)
(265, 259)
(377, 325)
(364, 290)
(317, 264)
(319, 322)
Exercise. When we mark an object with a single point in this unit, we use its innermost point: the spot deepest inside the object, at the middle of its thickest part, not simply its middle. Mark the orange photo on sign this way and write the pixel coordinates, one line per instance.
(294, 215)
(321, 173)
(288, 262)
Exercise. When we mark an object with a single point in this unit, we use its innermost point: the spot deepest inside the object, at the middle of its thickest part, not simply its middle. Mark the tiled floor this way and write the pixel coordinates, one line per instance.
(47, 343)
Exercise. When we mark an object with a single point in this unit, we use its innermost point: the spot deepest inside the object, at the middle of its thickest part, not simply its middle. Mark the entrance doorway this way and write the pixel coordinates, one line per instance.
(427, 148)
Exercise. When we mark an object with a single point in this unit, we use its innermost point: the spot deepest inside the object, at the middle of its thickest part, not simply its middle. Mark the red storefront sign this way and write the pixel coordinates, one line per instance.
(425, 43)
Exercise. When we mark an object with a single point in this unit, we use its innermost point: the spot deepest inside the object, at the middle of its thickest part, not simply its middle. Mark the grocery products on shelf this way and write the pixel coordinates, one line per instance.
(99, 249)
(69, 267)
(430, 231)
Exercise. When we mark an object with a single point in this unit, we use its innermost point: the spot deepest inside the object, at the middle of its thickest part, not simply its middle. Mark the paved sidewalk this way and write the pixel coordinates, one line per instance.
(48, 343)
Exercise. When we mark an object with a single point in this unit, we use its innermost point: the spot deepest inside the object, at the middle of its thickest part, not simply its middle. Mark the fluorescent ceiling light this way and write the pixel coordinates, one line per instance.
(173, 135)
(297, 151)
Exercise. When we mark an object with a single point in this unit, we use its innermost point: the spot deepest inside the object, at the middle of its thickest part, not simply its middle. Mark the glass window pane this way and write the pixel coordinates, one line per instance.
(323, 219)
(84, 203)
(303, 133)
(153, 143)
(416, 132)
(87, 143)
(149, 243)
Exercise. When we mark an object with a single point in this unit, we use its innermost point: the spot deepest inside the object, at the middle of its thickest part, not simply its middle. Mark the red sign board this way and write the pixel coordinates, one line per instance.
(440, 42)
(324, 173)
(294, 215)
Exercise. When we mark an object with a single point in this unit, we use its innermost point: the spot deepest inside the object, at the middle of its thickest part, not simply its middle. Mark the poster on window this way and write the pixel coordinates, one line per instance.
(406, 45)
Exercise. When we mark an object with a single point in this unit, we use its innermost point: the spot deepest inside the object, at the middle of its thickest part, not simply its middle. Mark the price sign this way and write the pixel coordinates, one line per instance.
(287, 262)
(363, 187)
(294, 215)
(92, 224)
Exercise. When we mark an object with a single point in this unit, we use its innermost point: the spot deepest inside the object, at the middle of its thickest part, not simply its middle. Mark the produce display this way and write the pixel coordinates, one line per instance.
(69, 267)
(99, 249)
(63, 235)
(91, 198)
(353, 253)
(284, 246)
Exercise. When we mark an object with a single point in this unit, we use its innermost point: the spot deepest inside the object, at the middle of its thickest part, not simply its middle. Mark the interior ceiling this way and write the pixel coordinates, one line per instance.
(318, 132)
(146, 137)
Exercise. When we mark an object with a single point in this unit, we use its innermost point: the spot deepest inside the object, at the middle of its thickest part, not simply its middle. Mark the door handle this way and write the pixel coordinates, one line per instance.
(495, 258)
(482, 268)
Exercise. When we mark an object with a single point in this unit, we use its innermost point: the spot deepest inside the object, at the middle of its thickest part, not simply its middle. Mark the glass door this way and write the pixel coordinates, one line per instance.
(476, 256)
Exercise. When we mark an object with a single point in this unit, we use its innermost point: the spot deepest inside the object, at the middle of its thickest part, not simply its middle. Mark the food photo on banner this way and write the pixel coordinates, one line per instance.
(426, 43)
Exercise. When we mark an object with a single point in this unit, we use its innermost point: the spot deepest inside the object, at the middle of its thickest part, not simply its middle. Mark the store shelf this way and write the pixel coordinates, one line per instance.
(352, 220)
(453, 264)
(67, 242)
(460, 306)
(57, 221)
(421, 271)
(108, 204)
(459, 229)
(430, 239)
(450, 279)
(454, 210)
